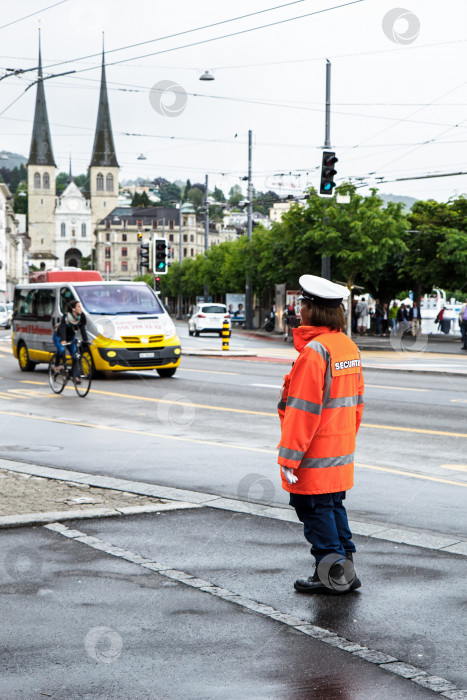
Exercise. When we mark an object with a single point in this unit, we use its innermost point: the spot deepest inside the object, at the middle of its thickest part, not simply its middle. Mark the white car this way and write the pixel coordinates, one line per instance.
(208, 318)
(5, 318)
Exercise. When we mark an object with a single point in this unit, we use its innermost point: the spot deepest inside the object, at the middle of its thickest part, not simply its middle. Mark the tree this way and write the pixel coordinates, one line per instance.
(263, 201)
(186, 189)
(169, 193)
(20, 199)
(218, 195)
(140, 200)
(196, 197)
(61, 182)
(235, 195)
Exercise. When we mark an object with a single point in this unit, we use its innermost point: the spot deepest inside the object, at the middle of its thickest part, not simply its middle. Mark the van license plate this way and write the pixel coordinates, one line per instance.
(147, 354)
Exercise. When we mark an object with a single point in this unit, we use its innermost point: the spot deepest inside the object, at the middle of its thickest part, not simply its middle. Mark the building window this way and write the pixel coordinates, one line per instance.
(192, 252)
(107, 252)
(46, 181)
(191, 221)
(154, 223)
(192, 239)
(83, 230)
(37, 181)
(171, 225)
(139, 224)
(124, 223)
(124, 266)
(124, 252)
(124, 237)
(185, 238)
(184, 252)
(107, 223)
(107, 236)
(63, 229)
(109, 182)
(100, 182)
(171, 237)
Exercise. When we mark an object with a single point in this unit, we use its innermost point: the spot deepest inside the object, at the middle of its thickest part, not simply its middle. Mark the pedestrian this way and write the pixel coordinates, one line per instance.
(402, 318)
(379, 316)
(362, 316)
(415, 318)
(463, 324)
(385, 319)
(320, 409)
(354, 315)
(290, 320)
(393, 315)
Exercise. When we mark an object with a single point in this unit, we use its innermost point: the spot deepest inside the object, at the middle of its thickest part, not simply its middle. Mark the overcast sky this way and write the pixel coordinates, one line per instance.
(399, 93)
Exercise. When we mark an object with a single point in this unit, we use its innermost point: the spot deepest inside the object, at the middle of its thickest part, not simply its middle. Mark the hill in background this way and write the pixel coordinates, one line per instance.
(408, 201)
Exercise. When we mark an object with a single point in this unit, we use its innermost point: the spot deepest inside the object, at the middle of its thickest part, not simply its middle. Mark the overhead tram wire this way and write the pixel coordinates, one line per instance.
(182, 33)
(217, 38)
(37, 12)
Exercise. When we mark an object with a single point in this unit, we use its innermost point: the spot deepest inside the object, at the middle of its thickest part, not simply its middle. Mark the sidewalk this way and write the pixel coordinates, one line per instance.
(197, 601)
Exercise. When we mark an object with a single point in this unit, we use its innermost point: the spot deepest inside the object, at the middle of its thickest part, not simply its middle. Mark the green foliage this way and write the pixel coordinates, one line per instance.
(141, 200)
(235, 195)
(61, 182)
(20, 199)
(263, 201)
(169, 193)
(12, 178)
(218, 195)
(196, 197)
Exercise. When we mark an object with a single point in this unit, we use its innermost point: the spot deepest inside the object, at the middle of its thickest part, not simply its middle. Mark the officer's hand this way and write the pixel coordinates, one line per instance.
(63, 342)
(289, 475)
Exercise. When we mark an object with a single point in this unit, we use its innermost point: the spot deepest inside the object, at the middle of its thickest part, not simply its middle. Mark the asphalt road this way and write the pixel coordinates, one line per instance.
(81, 623)
(213, 427)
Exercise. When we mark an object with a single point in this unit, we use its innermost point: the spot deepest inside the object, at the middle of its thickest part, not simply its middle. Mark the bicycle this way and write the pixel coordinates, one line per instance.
(79, 370)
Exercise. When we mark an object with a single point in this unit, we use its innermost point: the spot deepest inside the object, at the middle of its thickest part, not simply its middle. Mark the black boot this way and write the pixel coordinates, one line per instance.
(338, 583)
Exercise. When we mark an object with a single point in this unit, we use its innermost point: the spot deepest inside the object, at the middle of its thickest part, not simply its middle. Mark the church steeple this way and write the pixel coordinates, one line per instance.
(41, 152)
(103, 152)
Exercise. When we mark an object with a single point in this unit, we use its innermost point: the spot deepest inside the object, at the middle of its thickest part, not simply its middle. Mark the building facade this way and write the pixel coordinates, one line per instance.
(120, 234)
(12, 249)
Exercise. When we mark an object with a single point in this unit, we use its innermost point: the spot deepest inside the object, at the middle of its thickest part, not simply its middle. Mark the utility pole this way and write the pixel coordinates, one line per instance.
(180, 258)
(206, 233)
(325, 259)
(248, 291)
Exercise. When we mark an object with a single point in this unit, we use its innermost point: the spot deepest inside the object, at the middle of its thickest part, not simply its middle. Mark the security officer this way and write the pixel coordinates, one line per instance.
(320, 409)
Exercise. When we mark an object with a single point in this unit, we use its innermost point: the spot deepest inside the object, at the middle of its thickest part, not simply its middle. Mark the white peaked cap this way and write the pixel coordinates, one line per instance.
(322, 291)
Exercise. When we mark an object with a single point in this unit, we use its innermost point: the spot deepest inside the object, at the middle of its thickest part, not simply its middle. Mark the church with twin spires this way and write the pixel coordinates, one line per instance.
(61, 228)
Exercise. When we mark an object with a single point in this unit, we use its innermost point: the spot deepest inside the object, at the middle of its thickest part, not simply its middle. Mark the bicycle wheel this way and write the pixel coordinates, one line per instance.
(57, 380)
(83, 378)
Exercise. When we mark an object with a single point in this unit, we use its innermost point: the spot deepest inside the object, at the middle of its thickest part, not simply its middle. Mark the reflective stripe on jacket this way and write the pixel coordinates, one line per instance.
(320, 408)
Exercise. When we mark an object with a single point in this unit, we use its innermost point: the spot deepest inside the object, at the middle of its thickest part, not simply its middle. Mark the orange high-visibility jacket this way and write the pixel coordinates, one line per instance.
(320, 408)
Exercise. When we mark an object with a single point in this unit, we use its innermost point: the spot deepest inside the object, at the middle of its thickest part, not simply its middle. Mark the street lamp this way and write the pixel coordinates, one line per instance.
(207, 76)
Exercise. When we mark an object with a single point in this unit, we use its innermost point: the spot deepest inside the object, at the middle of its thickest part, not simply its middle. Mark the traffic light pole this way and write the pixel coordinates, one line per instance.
(206, 234)
(248, 290)
(325, 259)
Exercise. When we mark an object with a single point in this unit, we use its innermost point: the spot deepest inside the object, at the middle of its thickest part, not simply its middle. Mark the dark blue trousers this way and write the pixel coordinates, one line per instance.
(325, 523)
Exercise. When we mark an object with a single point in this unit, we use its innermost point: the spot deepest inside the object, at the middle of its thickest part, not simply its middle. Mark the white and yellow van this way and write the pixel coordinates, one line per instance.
(126, 322)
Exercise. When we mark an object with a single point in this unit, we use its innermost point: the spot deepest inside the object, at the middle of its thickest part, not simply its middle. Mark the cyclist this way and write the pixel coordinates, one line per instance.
(64, 332)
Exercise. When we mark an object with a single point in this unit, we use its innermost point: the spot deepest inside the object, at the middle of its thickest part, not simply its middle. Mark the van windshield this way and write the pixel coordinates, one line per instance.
(118, 299)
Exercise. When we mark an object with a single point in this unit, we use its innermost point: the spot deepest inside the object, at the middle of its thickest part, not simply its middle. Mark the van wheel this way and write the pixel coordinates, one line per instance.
(190, 332)
(166, 371)
(95, 373)
(25, 364)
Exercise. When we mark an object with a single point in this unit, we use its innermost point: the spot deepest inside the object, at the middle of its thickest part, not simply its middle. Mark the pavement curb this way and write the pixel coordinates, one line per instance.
(386, 662)
(434, 541)
(41, 518)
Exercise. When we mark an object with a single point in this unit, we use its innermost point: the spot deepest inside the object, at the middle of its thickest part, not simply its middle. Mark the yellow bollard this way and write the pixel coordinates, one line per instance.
(225, 335)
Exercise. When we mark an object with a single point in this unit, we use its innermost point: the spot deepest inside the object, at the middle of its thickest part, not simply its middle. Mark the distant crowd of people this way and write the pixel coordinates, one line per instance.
(384, 317)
